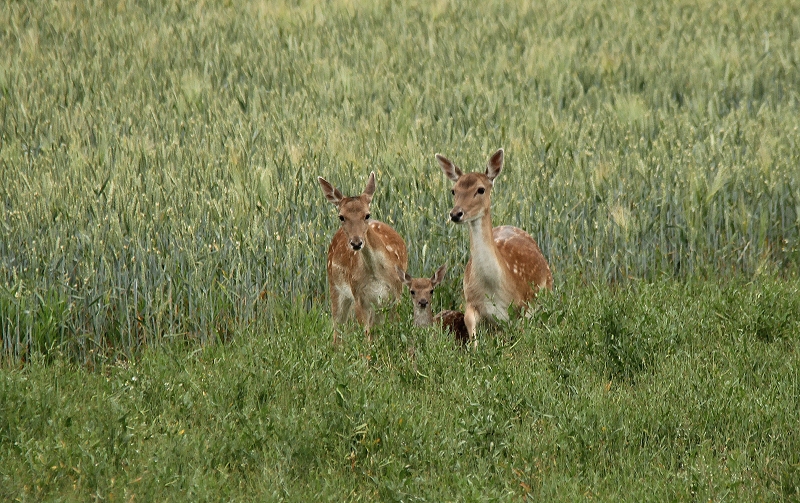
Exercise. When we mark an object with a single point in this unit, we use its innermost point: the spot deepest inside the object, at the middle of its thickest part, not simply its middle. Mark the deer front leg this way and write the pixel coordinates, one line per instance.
(364, 316)
(471, 318)
(340, 310)
(334, 313)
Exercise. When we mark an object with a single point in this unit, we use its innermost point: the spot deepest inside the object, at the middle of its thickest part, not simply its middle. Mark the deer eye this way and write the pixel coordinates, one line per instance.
(341, 217)
(431, 292)
(367, 217)
(453, 191)
(481, 190)
(413, 292)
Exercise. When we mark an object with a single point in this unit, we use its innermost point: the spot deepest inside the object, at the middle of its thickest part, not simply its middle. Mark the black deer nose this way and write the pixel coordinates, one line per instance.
(356, 243)
(456, 216)
(423, 303)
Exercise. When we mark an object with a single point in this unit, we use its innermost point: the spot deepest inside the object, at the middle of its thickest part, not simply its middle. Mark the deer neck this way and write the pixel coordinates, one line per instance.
(373, 252)
(422, 317)
(483, 252)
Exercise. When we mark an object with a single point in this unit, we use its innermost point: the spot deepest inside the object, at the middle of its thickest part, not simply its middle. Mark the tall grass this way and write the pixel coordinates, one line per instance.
(158, 161)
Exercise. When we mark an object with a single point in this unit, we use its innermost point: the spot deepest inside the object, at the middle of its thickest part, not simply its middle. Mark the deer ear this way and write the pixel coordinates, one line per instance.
(369, 190)
(332, 194)
(438, 276)
(404, 277)
(495, 165)
(450, 170)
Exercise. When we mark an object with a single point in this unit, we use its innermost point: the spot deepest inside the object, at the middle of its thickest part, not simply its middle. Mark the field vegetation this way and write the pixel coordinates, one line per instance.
(163, 304)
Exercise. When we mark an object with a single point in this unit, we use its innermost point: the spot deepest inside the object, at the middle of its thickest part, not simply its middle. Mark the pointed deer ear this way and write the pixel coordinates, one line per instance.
(438, 276)
(332, 194)
(404, 277)
(369, 190)
(450, 170)
(494, 165)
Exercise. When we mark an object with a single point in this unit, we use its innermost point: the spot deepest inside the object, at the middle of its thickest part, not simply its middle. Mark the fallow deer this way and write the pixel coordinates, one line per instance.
(421, 290)
(362, 258)
(506, 267)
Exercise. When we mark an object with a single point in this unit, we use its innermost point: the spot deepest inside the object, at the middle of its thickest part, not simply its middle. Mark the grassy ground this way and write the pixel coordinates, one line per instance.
(162, 291)
(649, 393)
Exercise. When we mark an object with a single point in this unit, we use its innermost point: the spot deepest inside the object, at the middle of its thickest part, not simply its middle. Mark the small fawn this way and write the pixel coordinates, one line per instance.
(362, 258)
(506, 267)
(421, 290)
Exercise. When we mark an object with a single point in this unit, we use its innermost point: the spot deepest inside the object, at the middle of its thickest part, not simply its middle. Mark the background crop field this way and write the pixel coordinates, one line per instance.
(159, 160)
(161, 221)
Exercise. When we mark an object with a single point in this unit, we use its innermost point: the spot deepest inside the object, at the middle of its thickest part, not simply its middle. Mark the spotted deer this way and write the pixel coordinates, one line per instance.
(362, 258)
(506, 267)
(421, 290)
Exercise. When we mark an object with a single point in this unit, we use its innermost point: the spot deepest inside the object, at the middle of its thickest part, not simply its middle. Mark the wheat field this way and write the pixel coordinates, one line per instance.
(159, 160)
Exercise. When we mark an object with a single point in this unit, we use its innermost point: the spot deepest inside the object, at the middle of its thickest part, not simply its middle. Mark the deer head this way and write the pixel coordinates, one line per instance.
(354, 212)
(421, 290)
(472, 191)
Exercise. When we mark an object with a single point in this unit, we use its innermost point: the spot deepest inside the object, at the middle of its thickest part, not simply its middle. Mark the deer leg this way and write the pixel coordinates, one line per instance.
(340, 311)
(364, 316)
(334, 312)
(471, 318)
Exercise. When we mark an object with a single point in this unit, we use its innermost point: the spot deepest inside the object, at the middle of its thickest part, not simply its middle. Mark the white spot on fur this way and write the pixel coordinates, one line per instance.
(505, 232)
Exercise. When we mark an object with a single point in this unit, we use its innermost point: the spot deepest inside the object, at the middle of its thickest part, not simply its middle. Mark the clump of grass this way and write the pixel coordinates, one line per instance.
(626, 348)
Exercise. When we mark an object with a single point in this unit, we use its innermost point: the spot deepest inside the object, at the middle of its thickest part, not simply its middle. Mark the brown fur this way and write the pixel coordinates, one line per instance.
(453, 321)
(362, 258)
(421, 290)
(506, 267)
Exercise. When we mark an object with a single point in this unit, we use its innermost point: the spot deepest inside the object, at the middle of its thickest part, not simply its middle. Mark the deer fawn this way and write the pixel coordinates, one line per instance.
(506, 267)
(421, 290)
(361, 260)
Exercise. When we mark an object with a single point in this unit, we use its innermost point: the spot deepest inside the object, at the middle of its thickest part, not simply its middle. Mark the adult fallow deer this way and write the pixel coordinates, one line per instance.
(361, 260)
(506, 267)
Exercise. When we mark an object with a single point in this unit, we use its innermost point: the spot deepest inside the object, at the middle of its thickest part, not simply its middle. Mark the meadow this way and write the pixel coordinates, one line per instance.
(163, 304)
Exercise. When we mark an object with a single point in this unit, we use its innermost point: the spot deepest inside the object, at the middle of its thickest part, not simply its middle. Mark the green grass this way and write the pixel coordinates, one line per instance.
(163, 306)
(656, 392)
